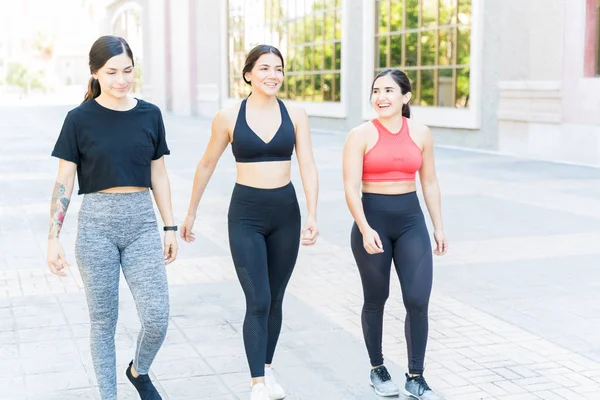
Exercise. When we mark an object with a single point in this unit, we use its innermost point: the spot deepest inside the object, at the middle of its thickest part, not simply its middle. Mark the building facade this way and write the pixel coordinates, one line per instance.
(38, 54)
(516, 77)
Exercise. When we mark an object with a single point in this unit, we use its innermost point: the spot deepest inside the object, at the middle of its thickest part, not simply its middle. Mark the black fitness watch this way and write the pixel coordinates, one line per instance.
(170, 228)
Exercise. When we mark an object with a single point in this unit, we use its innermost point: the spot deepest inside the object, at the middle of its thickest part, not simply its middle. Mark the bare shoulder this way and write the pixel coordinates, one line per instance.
(226, 117)
(418, 127)
(418, 130)
(360, 134)
(297, 114)
(362, 131)
(228, 114)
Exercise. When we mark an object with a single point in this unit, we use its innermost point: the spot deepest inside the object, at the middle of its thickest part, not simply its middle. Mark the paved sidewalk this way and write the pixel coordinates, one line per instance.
(515, 310)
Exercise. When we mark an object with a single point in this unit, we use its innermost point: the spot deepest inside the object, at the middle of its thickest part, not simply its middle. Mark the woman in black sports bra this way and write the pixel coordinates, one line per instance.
(264, 216)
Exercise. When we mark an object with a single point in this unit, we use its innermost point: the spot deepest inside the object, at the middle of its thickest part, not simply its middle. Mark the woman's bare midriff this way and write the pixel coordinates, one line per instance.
(264, 175)
(124, 189)
(401, 187)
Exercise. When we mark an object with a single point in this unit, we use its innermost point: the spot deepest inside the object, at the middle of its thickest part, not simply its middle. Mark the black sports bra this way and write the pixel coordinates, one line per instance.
(248, 147)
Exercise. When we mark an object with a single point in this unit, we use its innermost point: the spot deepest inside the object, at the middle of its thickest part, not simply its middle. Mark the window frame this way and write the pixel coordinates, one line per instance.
(327, 109)
(448, 117)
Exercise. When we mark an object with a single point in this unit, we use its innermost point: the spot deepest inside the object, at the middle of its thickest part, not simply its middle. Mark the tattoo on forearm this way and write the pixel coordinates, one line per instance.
(58, 209)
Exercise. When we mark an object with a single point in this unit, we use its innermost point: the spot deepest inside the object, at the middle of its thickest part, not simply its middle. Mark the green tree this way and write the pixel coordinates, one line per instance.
(302, 38)
(44, 45)
(18, 75)
(307, 62)
(451, 40)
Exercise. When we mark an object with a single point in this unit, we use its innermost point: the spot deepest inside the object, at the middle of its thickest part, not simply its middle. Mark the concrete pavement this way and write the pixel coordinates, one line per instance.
(514, 311)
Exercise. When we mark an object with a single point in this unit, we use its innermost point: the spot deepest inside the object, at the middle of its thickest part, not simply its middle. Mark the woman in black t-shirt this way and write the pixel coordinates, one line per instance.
(115, 144)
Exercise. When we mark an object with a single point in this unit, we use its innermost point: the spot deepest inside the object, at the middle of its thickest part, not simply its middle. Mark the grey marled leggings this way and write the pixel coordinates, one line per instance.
(119, 230)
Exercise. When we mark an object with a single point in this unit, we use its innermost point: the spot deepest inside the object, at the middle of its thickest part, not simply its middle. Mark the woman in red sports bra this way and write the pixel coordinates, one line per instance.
(384, 155)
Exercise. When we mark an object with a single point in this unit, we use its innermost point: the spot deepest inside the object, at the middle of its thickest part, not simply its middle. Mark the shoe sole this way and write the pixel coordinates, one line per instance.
(272, 398)
(412, 396)
(378, 393)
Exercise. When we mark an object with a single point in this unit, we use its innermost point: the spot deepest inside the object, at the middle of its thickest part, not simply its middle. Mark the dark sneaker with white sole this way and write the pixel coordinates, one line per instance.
(143, 385)
(417, 388)
(382, 382)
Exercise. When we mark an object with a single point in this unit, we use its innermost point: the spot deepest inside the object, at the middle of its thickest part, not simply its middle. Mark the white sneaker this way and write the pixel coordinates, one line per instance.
(259, 392)
(276, 392)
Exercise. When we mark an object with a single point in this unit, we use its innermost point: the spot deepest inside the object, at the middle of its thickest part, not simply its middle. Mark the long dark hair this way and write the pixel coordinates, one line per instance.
(255, 54)
(402, 80)
(103, 49)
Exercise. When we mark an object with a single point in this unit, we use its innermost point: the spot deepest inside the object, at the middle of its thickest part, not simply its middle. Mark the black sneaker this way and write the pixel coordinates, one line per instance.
(382, 382)
(143, 385)
(418, 388)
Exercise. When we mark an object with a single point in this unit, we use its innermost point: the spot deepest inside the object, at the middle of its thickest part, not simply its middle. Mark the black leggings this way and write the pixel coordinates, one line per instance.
(400, 223)
(264, 238)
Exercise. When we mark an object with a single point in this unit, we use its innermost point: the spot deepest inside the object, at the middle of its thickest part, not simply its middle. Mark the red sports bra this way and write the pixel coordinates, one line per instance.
(395, 157)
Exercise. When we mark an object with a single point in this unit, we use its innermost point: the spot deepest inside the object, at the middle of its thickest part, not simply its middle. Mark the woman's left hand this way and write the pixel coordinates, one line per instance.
(441, 243)
(310, 232)
(171, 247)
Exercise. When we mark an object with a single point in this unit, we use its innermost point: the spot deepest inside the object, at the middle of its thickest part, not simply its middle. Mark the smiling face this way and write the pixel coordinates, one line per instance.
(116, 76)
(267, 74)
(387, 98)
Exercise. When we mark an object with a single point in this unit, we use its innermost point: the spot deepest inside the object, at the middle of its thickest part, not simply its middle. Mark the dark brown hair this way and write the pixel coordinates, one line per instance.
(103, 49)
(255, 54)
(402, 80)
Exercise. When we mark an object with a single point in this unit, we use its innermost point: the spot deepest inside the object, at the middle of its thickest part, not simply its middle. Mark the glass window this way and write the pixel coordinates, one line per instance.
(307, 32)
(430, 40)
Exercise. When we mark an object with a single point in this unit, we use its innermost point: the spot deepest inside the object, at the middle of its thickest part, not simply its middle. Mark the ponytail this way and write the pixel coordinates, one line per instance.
(406, 110)
(93, 90)
(401, 80)
(103, 49)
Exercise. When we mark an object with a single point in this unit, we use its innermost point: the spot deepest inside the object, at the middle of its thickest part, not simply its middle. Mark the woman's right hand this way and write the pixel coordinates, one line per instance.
(56, 257)
(186, 229)
(372, 242)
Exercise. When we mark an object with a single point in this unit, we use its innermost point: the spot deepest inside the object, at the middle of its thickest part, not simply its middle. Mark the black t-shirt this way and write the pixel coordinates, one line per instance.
(112, 148)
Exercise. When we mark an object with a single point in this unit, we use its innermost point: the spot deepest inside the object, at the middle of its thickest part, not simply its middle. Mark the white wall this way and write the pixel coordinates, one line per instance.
(181, 63)
(155, 42)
